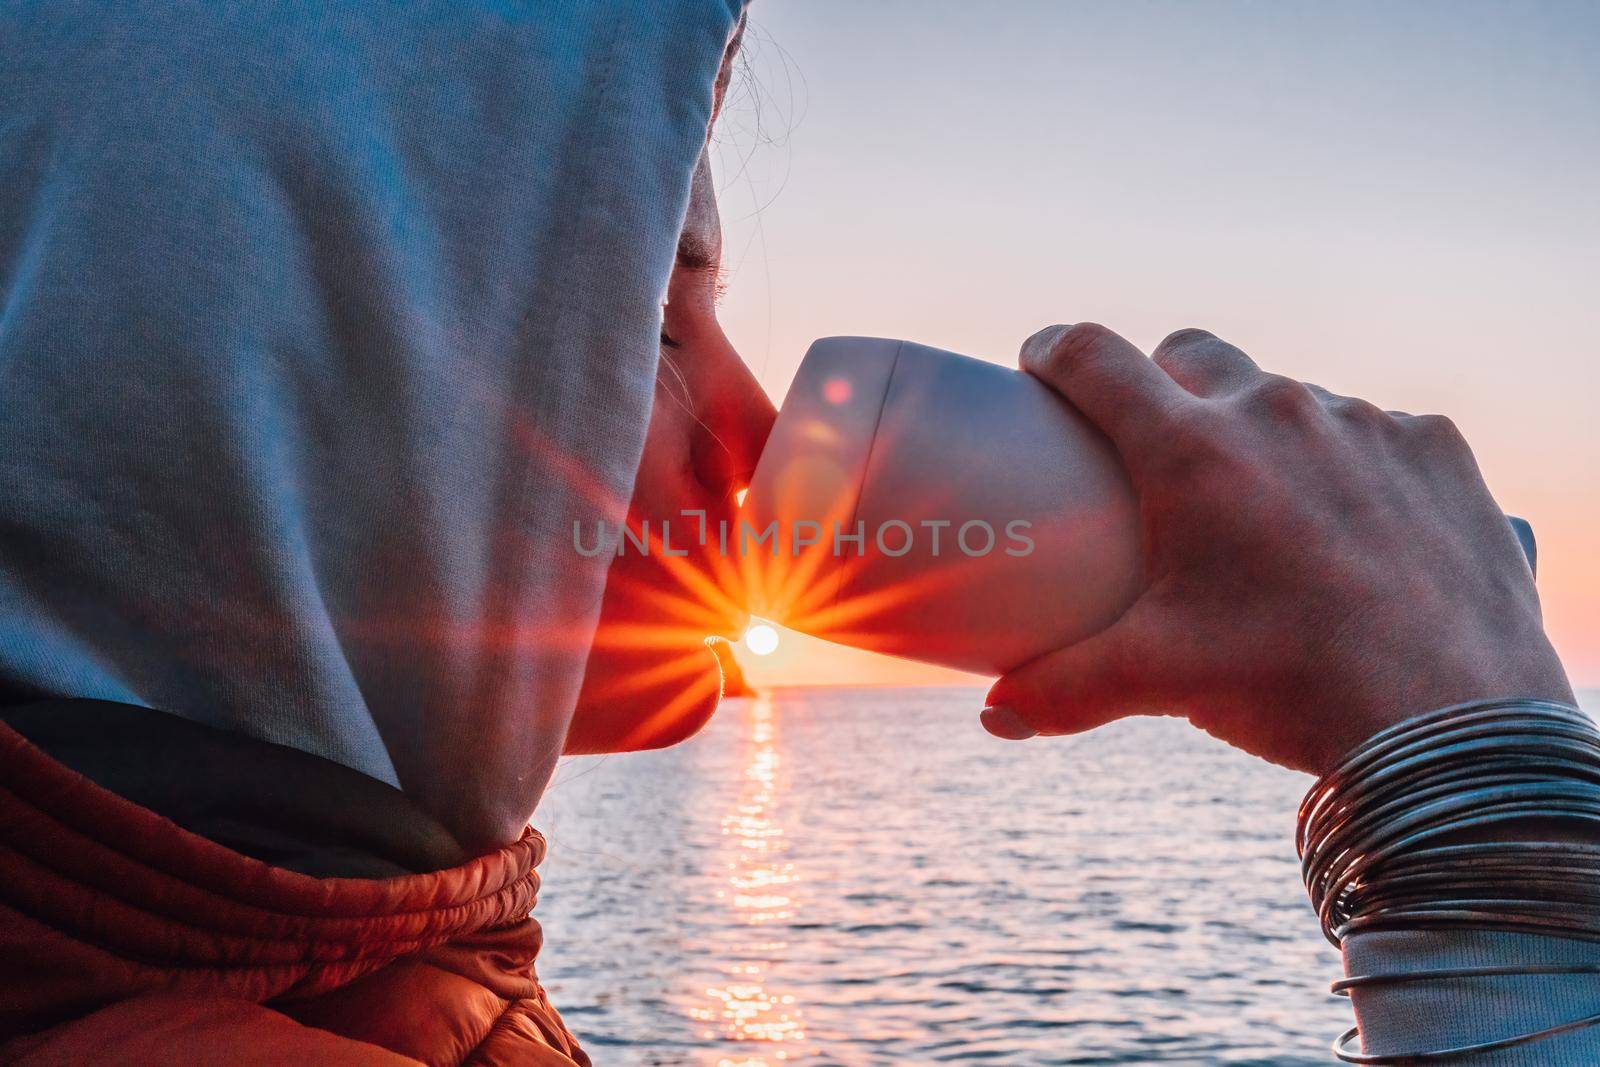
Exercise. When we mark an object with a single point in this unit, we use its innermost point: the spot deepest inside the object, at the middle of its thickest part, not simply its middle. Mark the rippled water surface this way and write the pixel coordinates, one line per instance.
(834, 876)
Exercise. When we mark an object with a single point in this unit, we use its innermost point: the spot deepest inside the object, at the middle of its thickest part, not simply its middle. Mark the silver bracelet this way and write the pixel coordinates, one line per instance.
(1380, 841)
(1342, 1051)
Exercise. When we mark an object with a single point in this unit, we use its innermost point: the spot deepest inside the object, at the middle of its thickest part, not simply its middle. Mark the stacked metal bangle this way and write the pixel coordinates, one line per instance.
(1482, 816)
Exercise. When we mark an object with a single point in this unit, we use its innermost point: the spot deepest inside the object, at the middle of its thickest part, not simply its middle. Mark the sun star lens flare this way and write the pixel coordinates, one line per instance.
(761, 639)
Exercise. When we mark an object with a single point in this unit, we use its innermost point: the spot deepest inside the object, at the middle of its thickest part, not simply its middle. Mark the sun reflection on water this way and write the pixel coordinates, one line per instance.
(756, 892)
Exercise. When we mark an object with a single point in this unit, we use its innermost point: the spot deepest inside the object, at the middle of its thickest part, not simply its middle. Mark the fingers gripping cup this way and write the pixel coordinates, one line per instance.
(932, 506)
(937, 507)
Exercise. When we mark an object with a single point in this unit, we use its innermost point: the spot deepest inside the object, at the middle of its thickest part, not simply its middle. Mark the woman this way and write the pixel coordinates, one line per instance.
(324, 326)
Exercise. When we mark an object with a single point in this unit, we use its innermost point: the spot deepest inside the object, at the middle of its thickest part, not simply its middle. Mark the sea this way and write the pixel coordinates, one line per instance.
(863, 876)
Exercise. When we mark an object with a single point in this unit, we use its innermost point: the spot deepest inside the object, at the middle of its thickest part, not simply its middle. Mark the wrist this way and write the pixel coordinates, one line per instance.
(1466, 672)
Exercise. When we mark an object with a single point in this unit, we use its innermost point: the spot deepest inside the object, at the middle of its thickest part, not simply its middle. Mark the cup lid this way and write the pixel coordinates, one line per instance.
(810, 475)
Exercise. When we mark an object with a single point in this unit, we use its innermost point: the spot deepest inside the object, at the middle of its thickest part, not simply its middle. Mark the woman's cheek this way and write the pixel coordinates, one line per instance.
(647, 684)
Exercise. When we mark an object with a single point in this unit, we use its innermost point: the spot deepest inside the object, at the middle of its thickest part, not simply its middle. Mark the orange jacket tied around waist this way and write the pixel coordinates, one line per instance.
(126, 939)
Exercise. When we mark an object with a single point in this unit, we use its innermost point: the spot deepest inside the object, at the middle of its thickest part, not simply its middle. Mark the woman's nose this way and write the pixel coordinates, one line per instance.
(735, 418)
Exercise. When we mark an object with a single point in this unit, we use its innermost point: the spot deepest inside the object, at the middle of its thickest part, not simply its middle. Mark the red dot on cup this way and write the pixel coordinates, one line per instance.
(836, 391)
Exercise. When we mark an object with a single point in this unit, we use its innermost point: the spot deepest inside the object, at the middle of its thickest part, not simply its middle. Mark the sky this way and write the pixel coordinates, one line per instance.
(1397, 201)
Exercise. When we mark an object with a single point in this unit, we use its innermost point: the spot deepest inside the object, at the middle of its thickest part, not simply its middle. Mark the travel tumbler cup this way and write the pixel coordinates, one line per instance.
(937, 507)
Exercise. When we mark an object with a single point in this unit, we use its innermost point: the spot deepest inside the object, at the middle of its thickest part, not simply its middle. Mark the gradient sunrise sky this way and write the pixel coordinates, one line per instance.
(1399, 201)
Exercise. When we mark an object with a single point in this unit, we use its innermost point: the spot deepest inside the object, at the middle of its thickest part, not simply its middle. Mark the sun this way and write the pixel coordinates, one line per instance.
(761, 639)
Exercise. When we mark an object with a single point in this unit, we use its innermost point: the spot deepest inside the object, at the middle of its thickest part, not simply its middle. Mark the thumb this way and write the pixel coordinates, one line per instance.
(1096, 681)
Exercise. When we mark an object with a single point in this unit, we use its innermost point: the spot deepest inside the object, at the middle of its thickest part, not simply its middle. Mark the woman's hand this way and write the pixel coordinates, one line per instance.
(1316, 568)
